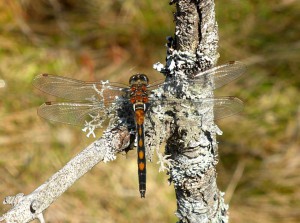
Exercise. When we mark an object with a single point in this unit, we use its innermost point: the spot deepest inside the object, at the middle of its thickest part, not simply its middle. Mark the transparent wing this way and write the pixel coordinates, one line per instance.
(219, 75)
(71, 113)
(156, 84)
(76, 90)
(222, 106)
(222, 74)
(227, 106)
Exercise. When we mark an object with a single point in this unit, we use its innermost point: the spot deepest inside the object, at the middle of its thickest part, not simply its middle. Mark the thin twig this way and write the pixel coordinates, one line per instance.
(26, 208)
(238, 173)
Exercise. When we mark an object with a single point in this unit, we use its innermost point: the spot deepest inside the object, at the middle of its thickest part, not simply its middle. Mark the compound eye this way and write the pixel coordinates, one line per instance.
(144, 78)
(132, 79)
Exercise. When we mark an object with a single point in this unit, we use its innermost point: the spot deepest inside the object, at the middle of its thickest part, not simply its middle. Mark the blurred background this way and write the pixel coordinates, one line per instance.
(91, 40)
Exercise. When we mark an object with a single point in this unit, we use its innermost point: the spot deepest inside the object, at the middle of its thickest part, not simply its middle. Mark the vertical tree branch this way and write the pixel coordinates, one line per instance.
(196, 30)
(187, 27)
(194, 149)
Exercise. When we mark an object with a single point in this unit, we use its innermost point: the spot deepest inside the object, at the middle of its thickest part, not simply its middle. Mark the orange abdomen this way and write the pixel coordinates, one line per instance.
(139, 116)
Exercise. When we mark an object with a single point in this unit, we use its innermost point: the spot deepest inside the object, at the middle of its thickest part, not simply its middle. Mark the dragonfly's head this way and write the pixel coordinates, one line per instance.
(138, 79)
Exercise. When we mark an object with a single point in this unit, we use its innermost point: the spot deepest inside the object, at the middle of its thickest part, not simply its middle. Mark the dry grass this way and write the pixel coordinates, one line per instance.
(259, 152)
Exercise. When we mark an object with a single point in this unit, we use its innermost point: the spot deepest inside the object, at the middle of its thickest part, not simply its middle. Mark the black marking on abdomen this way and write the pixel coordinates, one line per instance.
(141, 160)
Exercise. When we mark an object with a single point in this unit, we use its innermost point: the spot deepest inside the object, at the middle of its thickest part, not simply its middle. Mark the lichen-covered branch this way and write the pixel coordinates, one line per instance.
(26, 208)
(187, 26)
(192, 147)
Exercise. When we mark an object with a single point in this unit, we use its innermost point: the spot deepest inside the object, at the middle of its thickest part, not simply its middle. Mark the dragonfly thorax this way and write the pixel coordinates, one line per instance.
(138, 86)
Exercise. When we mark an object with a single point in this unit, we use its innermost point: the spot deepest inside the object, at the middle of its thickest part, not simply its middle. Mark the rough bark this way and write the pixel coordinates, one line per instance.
(193, 150)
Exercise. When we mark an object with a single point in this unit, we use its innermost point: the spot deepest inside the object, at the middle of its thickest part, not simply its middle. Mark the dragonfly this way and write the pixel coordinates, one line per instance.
(95, 100)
